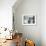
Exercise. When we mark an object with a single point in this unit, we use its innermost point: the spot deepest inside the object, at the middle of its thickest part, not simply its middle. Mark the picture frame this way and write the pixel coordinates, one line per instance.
(29, 19)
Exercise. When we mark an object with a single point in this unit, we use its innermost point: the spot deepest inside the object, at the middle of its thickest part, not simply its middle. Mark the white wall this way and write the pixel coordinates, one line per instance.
(28, 7)
(43, 22)
(6, 13)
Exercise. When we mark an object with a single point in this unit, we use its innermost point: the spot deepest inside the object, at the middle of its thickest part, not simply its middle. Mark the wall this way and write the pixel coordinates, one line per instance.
(29, 32)
(43, 22)
(6, 13)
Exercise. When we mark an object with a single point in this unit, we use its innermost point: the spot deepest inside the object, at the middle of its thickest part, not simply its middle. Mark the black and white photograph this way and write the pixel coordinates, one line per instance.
(29, 20)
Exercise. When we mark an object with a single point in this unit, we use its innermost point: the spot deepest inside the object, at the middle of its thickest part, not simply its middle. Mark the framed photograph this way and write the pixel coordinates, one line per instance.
(29, 19)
